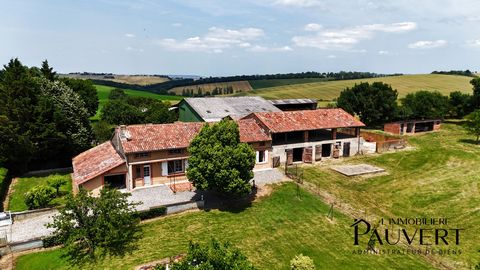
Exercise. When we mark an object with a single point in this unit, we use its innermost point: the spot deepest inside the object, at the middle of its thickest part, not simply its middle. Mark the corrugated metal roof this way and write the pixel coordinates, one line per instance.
(293, 101)
(306, 120)
(213, 109)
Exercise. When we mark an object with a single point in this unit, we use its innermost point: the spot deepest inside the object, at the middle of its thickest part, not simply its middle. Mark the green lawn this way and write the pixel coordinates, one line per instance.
(329, 90)
(270, 232)
(103, 92)
(440, 178)
(23, 185)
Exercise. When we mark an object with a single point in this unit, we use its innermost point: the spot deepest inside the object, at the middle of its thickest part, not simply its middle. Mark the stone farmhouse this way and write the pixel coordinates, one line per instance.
(155, 154)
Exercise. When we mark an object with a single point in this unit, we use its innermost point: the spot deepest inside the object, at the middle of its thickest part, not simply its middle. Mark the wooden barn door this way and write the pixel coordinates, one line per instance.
(289, 156)
(318, 152)
(307, 154)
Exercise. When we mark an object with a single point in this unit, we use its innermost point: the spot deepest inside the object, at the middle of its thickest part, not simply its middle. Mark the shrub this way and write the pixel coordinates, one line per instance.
(51, 241)
(56, 182)
(301, 262)
(39, 197)
(152, 213)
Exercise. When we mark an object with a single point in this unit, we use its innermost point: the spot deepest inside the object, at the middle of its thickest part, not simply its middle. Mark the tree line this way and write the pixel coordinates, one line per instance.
(44, 120)
(377, 103)
(164, 87)
(467, 72)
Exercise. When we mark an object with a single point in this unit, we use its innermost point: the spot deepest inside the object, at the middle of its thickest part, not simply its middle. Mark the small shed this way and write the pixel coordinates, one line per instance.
(409, 127)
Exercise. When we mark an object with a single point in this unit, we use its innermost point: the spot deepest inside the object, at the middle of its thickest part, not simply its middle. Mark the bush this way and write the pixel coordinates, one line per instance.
(56, 182)
(152, 213)
(301, 262)
(51, 241)
(39, 197)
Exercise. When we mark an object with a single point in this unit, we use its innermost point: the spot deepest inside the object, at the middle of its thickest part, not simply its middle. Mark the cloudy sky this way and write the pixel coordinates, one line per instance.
(210, 37)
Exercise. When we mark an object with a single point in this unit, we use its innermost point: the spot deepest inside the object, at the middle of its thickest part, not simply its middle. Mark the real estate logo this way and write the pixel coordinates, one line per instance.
(427, 236)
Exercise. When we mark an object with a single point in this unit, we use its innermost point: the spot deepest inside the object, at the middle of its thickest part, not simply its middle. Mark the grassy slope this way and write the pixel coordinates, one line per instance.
(104, 91)
(440, 178)
(238, 86)
(270, 233)
(23, 185)
(404, 84)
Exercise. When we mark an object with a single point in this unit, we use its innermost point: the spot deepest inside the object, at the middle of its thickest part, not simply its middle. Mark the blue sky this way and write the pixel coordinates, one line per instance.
(242, 37)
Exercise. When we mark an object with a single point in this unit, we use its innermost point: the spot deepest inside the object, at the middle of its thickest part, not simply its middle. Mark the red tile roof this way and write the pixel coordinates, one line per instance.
(250, 131)
(153, 137)
(306, 120)
(95, 162)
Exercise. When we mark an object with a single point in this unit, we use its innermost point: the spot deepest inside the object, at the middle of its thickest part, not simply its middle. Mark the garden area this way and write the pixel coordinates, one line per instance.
(45, 191)
(270, 232)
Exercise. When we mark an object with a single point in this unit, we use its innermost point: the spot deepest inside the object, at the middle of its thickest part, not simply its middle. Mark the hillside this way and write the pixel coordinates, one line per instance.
(128, 79)
(238, 86)
(104, 91)
(328, 90)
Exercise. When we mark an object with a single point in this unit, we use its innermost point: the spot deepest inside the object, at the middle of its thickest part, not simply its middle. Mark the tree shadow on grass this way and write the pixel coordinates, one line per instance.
(469, 141)
(228, 204)
(461, 122)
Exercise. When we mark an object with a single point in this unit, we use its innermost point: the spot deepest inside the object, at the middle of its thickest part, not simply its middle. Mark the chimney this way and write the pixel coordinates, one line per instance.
(124, 134)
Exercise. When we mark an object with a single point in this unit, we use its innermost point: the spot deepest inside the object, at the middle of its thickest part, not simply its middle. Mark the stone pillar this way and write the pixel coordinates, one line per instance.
(129, 178)
(334, 133)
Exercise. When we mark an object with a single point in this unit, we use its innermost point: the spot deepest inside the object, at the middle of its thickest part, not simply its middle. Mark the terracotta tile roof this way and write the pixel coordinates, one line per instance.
(95, 162)
(306, 120)
(153, 137)
(250, 131)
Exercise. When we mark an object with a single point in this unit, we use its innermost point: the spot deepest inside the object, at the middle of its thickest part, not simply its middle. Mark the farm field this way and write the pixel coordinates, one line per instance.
(438, 178)
(104, 91)
(238, 86)
(258, 84)
(270, 233)
(23, 185)
(329, 90)
(129, 79)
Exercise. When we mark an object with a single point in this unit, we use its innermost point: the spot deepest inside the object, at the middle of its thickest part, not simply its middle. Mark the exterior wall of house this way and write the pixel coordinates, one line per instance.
(187, 114)
(280, 150)
(96, 184)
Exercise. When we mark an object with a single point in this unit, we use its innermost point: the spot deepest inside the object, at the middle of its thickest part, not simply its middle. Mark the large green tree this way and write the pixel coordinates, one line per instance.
(219, 161)
(473, 124)
(87, 91)
(374, 103)
(47, 71)
(91, 227)
(476, 93)
(425, 105)
(214, 255)
(460, 104)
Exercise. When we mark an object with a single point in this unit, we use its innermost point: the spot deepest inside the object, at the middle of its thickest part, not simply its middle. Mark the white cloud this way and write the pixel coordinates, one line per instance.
(346, 38)
(177, 24)
(313, 27)
(473, 43)
(215, 40)
(132, 49)
(427, 44)
(331, 56)
(128, 35)
(300, 3)
(258, 48)
(383, 52)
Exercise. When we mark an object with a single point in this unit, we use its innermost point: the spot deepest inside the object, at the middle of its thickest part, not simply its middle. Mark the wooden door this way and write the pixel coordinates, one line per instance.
(318, 152)
(307, 154)
(346, 149)
(289, 153)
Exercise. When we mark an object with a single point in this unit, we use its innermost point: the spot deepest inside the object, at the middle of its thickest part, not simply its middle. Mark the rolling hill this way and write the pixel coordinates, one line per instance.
(329, 90)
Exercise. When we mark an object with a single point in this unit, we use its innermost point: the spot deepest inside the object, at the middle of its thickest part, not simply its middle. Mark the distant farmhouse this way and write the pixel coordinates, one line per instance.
(155, 154)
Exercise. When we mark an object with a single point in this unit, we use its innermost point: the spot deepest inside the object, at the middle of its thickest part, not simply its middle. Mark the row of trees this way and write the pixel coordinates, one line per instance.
(377, 103)
(44, 121)
(199, 91)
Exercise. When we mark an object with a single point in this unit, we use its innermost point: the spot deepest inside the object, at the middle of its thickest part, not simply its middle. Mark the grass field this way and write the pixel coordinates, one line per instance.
(23, 185)
(329, 90)
(270, 232)
(238, 86)
(439, 178)
(104, 91)
(129, 79)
